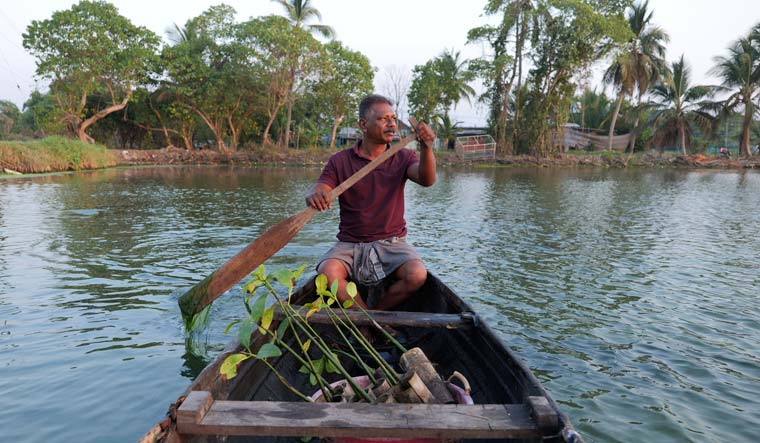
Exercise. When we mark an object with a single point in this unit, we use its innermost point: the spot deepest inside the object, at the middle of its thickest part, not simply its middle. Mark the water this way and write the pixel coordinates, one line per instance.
(631, 294)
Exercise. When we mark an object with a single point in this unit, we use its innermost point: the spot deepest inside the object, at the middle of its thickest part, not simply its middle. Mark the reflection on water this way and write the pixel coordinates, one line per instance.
(631, 294)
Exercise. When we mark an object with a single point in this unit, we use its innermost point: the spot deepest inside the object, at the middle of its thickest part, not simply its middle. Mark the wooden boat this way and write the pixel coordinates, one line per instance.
(510, 403)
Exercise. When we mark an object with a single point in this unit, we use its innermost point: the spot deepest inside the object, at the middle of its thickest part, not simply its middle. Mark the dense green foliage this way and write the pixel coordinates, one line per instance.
(677, 105)
(90, 50)
(740, 75)
(639, 63)
(219, 83)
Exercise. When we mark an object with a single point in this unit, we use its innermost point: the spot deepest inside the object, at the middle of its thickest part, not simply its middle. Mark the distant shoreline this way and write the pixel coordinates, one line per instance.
(317, 157)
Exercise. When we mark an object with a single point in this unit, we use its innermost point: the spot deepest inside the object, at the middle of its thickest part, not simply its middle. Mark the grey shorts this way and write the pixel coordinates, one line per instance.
(370, 263)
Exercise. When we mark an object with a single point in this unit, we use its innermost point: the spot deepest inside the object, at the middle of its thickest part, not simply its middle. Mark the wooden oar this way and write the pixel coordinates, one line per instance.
(256, 253)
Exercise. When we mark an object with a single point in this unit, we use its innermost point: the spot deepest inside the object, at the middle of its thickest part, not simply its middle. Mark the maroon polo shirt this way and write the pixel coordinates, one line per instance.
(373, 208)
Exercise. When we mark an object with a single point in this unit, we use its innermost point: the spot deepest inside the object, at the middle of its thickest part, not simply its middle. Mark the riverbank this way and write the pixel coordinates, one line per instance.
(317, 157)
(54, 154)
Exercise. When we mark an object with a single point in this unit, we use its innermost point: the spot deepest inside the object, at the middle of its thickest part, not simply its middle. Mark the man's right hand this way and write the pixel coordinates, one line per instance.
(319, 198)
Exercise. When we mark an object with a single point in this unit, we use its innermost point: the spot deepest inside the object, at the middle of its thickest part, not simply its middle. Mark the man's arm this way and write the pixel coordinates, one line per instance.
(423, 173)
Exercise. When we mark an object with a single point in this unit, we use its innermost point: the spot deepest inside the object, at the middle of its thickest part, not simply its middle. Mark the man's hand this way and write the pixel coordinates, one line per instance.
(425, 135)
(318, 197)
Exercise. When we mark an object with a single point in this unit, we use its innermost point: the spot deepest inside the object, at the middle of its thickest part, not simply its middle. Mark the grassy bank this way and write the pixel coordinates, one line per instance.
(52, 154)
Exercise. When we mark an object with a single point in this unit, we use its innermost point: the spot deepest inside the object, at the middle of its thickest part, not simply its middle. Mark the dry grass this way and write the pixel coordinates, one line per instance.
(53, 154)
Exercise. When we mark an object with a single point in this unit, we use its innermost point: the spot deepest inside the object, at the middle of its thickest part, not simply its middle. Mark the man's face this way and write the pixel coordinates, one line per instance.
(380, 125)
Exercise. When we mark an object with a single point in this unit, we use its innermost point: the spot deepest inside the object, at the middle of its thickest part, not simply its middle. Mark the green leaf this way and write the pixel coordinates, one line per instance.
(306, 345)
(312, 379)
(330, 367)
(259, 273)
(297, 273)
(304, 369)
(311, 312)
(252, 285)
(282, 328)
(319, 365)
(348, 303)
(266, 318)
(230, 365)
(351, 289)
(244, 333)
(321, 283)
(283, 277)
(334, 287)
(229, 326)
(258, 308)
(268, 350)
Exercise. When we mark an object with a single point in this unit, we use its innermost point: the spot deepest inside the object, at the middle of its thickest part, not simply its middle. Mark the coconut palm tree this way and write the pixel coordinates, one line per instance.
(677, 104)
(740, 75)
(640, 63)
(301, 11)
(454, 78)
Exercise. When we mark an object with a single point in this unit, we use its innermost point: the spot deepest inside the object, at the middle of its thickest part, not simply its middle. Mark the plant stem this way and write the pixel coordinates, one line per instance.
(390, 338)
(287, 384)
(296, 318)
(359, 361)
(390, 374)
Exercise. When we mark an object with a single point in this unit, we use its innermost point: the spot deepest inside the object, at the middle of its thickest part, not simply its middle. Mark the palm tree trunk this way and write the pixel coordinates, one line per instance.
(635, 125)
(744, 146)
(614, 119)
(682, 130)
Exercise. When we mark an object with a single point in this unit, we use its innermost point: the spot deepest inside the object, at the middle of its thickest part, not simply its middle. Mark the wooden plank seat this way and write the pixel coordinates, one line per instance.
(199, 414)
(395, 318)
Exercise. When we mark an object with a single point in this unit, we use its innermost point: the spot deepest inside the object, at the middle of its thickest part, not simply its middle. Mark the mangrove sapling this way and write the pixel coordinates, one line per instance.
(332, 298)
(261, 317)
(329, 359)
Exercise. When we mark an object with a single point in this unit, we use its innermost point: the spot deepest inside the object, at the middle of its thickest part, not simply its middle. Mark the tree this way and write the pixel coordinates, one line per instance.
(298, 12)
(285, 59)
(591, 110)
(438, 85)
(396, 86)
(677, 104)
(569, 37)
(425, 93)
(740, 75)
(9, 117)
(201, 70)
(560, 38)
(455, 80)
(500, 71)
(90, 49)
(347, 77)
(640, 62)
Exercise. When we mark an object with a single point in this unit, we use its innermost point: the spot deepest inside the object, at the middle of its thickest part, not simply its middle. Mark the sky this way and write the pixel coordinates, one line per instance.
(393, 34)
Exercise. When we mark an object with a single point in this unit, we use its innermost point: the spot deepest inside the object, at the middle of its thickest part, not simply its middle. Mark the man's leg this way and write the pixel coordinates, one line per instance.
(409, 278)
(335, 269)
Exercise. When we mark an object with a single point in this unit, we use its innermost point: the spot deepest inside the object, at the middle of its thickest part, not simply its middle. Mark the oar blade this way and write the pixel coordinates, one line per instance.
(253, 255)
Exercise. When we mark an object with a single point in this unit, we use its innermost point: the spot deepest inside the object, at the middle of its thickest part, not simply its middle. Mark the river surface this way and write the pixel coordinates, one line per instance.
(633, 295)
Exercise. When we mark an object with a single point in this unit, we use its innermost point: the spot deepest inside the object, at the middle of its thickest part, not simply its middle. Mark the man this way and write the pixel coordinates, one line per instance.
(372, 233)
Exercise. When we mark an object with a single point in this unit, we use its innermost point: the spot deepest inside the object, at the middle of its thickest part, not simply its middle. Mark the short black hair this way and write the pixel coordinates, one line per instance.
(369, 101)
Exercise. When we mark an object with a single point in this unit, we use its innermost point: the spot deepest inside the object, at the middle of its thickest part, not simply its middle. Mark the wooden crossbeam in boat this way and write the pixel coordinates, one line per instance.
(396, 318)
(199, 414)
